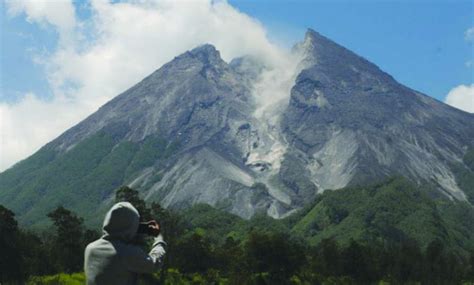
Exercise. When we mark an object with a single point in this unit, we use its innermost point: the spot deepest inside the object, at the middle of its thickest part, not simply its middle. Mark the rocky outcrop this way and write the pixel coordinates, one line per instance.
(247, 139)
(353, 123)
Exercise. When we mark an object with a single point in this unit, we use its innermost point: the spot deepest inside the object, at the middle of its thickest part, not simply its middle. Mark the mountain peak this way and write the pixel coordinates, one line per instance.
(205, 48)
(314, 42)
(332, 58)
(318, 39)
(311, 34)
(206, 52)
(194, 120)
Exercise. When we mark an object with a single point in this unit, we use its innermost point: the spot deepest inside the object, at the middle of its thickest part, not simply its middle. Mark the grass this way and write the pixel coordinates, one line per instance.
(58, 279)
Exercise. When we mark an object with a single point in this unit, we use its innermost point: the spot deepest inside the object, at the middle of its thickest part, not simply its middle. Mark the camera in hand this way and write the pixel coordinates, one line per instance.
(147, 229)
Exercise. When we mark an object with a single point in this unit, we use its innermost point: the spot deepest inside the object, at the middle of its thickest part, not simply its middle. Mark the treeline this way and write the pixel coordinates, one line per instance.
(24, 253)
(207, 246)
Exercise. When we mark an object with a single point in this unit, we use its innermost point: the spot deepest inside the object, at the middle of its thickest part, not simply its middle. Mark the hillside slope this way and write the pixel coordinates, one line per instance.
(194, 131)
(395, 210)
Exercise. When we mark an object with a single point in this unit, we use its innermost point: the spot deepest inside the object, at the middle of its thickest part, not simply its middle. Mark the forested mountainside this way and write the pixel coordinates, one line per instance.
(391, 232)
(195, 131)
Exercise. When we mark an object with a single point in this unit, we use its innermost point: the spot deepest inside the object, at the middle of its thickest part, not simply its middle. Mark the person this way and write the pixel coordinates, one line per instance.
(113, 258)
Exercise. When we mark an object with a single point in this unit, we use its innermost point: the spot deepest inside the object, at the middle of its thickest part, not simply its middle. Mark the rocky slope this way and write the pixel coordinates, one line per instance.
(352, 123)
(198, 131)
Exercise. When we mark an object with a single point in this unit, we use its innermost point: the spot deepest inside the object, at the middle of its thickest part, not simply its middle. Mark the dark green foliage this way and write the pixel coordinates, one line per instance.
(440, 264)
(470, 270)
(263, 223)
(172, 224)
(356, 263)
(326, 258)
(69, 240)
(151, 150)
(66, 247)
(404, 261)
(26, 169)
(35, 252)
(218, 223)
(274, 254)
(79, 179)
(60, 182)
(230, 257)
(126, 194)
(209, 246)
(193, 253)
(10, 254)
(67, 279)
(24, 253)
(393, 211)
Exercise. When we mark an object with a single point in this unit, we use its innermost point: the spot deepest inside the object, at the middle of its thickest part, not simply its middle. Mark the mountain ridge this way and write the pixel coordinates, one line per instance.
(188, 133)
(333, 93)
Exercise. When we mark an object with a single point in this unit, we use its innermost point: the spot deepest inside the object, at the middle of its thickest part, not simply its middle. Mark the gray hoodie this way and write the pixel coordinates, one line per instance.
(112, 259)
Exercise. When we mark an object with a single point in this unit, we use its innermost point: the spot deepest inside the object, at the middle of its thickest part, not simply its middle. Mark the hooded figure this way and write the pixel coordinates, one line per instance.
(112, 259)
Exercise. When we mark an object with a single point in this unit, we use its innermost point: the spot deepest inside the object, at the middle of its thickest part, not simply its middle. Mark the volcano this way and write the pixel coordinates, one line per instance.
(196, 131)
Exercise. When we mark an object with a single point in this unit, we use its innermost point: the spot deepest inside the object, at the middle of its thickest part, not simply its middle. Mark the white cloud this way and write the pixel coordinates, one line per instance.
(469, 34)
(27, 126)
(58, 13)
(129, 41)
(461, 97)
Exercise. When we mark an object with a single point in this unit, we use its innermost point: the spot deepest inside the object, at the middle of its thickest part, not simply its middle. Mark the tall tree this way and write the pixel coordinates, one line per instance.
(355, 263)
(68, 243)
(407, 262)
(10, 254)
(326, 258)
(127, 194)
(434, 263)
(192, 253)
(275, 254)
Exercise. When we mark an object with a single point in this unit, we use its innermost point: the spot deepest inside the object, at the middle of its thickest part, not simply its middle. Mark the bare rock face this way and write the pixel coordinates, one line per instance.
(189, 99)
(353, 123)
(198, 131)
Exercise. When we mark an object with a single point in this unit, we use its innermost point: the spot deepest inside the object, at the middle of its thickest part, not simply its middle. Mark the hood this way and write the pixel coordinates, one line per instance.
(121, 222)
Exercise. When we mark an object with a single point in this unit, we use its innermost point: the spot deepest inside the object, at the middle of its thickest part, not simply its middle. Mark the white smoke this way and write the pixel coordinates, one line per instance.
(116, 47)
(272, 92)
(273, 87)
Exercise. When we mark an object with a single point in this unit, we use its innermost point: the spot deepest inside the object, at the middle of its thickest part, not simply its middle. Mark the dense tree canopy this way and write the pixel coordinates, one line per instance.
(10, 250)
(210, 246)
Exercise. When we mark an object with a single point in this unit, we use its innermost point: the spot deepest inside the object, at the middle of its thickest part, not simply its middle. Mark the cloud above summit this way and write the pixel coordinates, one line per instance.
(114, 47)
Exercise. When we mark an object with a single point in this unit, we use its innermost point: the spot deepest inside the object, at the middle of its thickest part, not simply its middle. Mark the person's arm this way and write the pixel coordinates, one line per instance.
(139, 262)
(158, 251)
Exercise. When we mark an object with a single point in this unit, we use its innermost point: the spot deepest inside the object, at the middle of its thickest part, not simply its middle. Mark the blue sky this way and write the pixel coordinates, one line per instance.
(20, 74)
(63, 59)
(421, 43)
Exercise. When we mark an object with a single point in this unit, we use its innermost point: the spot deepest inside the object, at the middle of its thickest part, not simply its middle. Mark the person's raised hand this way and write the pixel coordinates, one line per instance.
(153, 227)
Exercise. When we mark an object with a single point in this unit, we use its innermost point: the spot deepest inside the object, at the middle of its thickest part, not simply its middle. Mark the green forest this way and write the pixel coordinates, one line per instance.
(386, 233)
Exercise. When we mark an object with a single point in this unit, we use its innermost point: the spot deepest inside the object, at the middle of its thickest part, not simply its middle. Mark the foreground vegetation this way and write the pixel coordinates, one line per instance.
(388, 233)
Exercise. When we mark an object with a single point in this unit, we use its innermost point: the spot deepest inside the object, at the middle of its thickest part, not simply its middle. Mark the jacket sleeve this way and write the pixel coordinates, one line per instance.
(139, 262)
